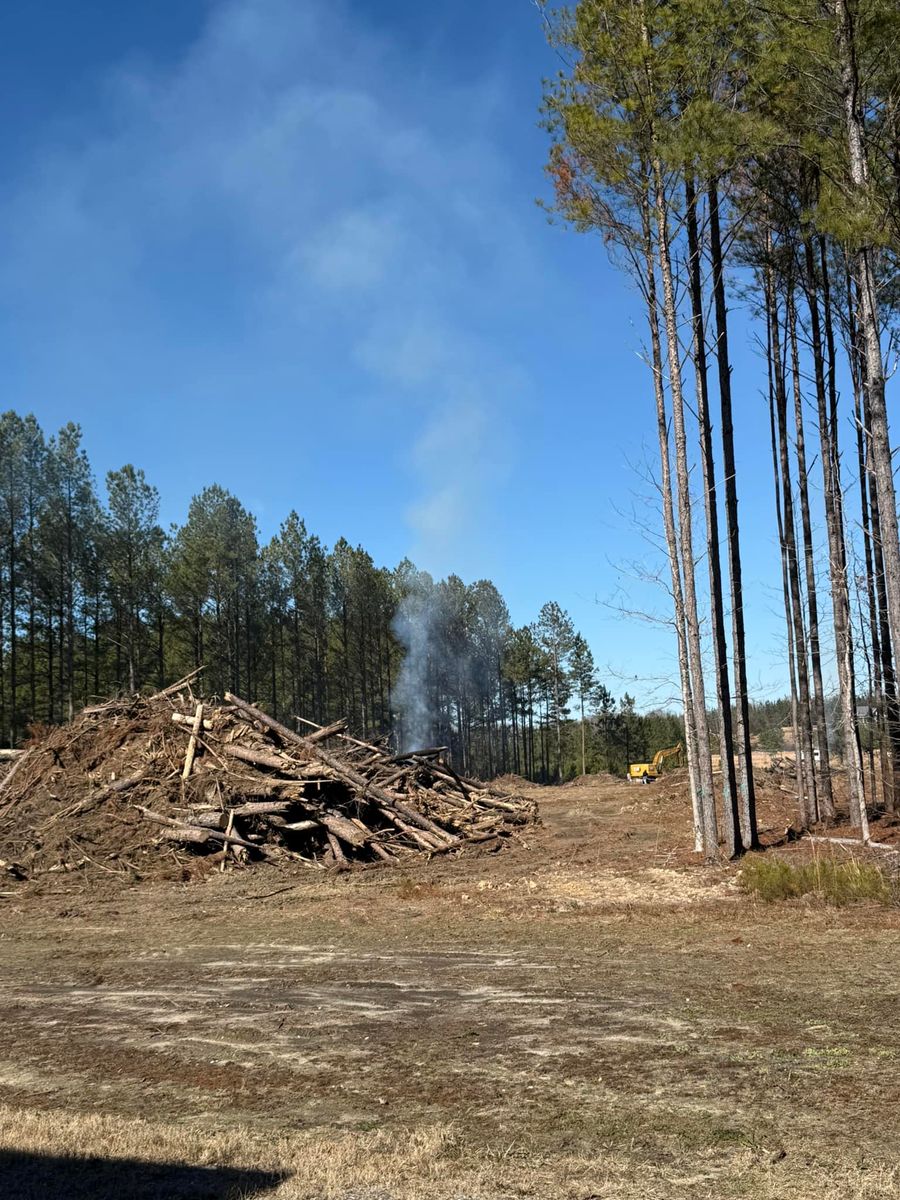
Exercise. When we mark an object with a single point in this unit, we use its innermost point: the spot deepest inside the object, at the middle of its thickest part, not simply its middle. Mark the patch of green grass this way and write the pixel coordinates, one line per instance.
(832, 881)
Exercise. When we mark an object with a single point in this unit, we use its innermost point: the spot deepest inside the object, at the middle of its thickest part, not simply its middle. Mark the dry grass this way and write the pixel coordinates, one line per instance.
(143, 1159)
(832, 881)
(598, 1020)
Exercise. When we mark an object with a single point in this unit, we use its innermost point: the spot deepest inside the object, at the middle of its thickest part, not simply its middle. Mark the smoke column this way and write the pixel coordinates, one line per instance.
(413, 625)
(449, 458)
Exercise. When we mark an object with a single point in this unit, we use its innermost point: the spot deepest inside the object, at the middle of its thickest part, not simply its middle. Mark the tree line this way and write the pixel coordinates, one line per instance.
(725, 147)
(97, 599)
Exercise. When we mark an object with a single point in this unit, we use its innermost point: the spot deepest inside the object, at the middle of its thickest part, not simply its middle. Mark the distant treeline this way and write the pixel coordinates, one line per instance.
(97, 599)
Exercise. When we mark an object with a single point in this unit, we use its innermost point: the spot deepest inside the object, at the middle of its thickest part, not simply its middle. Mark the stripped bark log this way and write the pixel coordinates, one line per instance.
(365, 786)
(12, 772)
(193, 833)
(262, 808)
(183, 719)
(259, 758)
(339, 856)
(192, 742)
(327, 731)
(344, 829)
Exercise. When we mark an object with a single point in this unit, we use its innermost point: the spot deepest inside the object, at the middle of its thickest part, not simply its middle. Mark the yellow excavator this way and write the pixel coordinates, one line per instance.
(644, 772)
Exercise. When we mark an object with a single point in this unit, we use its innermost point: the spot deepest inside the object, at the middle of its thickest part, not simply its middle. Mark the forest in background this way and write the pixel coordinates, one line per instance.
(721, 150)
(97, 599)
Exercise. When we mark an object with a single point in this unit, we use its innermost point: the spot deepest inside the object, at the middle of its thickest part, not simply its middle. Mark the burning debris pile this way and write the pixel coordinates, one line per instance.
(131, 783)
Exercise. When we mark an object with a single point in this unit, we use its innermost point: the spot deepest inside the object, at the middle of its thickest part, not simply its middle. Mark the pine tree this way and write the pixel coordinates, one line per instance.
(584, 680)
(131, 543)
(556, 636)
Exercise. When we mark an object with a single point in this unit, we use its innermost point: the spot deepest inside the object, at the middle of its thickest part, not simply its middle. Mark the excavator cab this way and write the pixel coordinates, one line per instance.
(647, 771)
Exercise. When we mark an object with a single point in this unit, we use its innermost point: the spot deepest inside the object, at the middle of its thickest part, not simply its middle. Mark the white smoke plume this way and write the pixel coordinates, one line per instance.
(414, 626)
(450, 459)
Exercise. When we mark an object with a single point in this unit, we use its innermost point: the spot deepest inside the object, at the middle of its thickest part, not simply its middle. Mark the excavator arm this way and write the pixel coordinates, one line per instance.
(661, 755)
(644, 772)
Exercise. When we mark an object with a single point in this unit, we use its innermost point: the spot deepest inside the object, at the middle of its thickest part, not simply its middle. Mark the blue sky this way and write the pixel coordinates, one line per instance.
(294, 248)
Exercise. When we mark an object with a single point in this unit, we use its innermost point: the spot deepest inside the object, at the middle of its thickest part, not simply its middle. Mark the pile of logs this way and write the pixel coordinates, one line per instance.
(227, 779)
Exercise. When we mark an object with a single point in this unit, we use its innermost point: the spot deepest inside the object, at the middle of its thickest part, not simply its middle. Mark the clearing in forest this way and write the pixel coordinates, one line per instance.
(588, 1015)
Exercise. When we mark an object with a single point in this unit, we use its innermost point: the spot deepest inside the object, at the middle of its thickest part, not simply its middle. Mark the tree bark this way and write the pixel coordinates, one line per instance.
(823, 768)
(804, 749)
(731, 813)
(785, 590)
(671, 535)
(837, 554)
(875, 663)
(685, 529)
(863, 269)
(746, 786)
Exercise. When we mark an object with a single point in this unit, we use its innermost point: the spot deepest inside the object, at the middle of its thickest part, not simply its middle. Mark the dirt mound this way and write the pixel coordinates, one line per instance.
(152, 787)
(593, 779)
(510, 782)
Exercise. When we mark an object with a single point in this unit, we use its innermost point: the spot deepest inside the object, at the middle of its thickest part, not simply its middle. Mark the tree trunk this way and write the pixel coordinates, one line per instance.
(888, 670)
(875, 663)
(731, 814)
(685, 528)
(799, 772)
(808, 801)
(865, 278)
(583, 757)
(746, 786)
(662, 426)
(823, 769)
(837, 555)
(13, 633)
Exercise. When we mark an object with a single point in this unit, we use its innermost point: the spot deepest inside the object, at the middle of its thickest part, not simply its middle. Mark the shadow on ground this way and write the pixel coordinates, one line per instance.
(47, 1177)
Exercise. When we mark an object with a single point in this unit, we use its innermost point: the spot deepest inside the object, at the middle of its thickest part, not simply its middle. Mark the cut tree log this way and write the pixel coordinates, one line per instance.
(259, 758)
(12, 772)
(336, 850)
(105, 793)
(173, 688)
(365, 786)
(262, 808)
(192, 742)
(183, 719)
(327, 731)
(193, 833)
(344, 829)
(241, 781)
(859, 842)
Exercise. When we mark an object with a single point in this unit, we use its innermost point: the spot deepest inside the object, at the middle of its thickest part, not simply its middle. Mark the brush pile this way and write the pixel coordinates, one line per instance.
(133, 784)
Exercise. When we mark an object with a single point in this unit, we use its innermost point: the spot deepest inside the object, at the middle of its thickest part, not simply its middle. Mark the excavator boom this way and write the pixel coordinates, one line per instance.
(661, 755)
(644, 772)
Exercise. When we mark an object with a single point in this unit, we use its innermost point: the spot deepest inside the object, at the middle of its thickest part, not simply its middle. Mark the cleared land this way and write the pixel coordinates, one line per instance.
(593, 1016)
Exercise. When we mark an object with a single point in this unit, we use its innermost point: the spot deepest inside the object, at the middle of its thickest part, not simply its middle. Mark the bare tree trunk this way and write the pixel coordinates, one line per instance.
(808, 802)
(823, 770)
(864, 276)
(662, 426)
(875, 663)
(583, 757)
(786, 594)
(731, 814)
(685, 530)
(837, 554)
(13, 631)
(871, 519)
(746, 787)
(888, 671)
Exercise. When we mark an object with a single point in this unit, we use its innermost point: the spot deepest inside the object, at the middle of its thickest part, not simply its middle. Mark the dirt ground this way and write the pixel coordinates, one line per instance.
(589, 1015)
